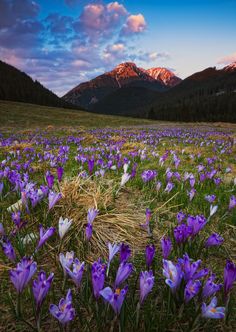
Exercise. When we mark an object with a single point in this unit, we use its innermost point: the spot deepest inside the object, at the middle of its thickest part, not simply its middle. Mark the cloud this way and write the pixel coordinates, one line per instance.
(59, 24)
(227, 59)
(61, 51)
(134, 24)
(13, 11)
(153, 56)
(21, 35)
(114, 53)
(98, 20)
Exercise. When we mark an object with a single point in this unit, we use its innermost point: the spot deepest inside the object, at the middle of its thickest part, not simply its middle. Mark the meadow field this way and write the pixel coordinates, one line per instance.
(115, 224)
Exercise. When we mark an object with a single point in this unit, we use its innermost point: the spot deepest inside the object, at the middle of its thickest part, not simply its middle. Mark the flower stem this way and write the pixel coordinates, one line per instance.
(18, 306)
(137, 315)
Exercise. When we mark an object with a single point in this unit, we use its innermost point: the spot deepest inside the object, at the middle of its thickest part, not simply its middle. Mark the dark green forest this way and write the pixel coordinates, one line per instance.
(204, 99)
(17, 86)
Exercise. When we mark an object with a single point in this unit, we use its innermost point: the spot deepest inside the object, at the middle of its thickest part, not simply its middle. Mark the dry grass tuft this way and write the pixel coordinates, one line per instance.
(119, 218)
(18, 146)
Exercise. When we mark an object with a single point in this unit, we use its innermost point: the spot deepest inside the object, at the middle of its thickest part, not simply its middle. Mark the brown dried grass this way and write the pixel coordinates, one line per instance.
(119, 218)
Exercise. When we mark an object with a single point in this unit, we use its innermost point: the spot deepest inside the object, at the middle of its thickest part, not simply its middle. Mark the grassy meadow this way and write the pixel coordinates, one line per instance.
(150, 240)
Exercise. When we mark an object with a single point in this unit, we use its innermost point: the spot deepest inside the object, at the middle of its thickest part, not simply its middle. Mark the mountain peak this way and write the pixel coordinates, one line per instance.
(165, 75)
(125, 65)
(127, 70)
(230, 67)
(126, 74)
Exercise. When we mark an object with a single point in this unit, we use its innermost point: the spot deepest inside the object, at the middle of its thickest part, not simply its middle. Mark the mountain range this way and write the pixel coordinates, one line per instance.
(126, 74)
(156, 93)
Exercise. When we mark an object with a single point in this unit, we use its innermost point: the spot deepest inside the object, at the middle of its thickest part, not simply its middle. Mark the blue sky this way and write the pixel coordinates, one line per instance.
(64, 42)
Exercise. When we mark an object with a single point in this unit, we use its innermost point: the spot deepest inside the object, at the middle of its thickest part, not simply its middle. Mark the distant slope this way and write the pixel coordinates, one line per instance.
(209, 95)
(26, 116)
(18, 86)
(126, 74)
(127, 101)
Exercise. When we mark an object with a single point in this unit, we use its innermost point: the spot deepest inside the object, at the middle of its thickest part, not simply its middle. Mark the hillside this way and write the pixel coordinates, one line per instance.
(26, 116)
(18, 86)
(126, 74)
(131, 101)
(209, 95)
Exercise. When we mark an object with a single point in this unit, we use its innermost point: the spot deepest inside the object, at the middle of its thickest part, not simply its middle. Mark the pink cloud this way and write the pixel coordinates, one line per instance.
(134, 24)
(227, 59)
(98, 20)
(117, 8)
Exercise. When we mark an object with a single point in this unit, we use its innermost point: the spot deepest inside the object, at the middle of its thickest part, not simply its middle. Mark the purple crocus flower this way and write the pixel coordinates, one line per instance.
(123, 272)
(229, 276)
(191, 269)
(148, 175)
(64, 312)
(113, 250)
(53, 198)
(116, 298)
(125, 252)
(158, 186)
(214, 240)
(180, 216)
(191, 193)
(196, 224)
(77, 272)
(41, 287)
(181, 233)
(44, 235)
(166, 247)
(173, 274)
(1, 188)
(202, 177)
(210, 288)
(149, 254)
(98, 277)
(217, 181)
(90, 166)
(60, 172)
(191, 289)
(192, 180)
(169, 174)
(232, 202)
(212, 311)
(66, 260)
(21, 275)
(210, 198)
(16, 218)
(146, 226)
(146, 282)
(2, 232)
(9, 250)
(50, 180)
(92, 214)
(134, 170)
(169, 186)
(88, 231)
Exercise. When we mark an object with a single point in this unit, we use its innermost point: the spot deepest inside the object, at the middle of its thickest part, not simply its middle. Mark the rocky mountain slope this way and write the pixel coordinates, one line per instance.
(124, 75)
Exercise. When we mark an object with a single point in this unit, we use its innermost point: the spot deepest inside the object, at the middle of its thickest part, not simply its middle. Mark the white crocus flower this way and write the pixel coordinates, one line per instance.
(213, 209)
(64, 225)
(125, 178)
(29, 238)
(125, 168)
